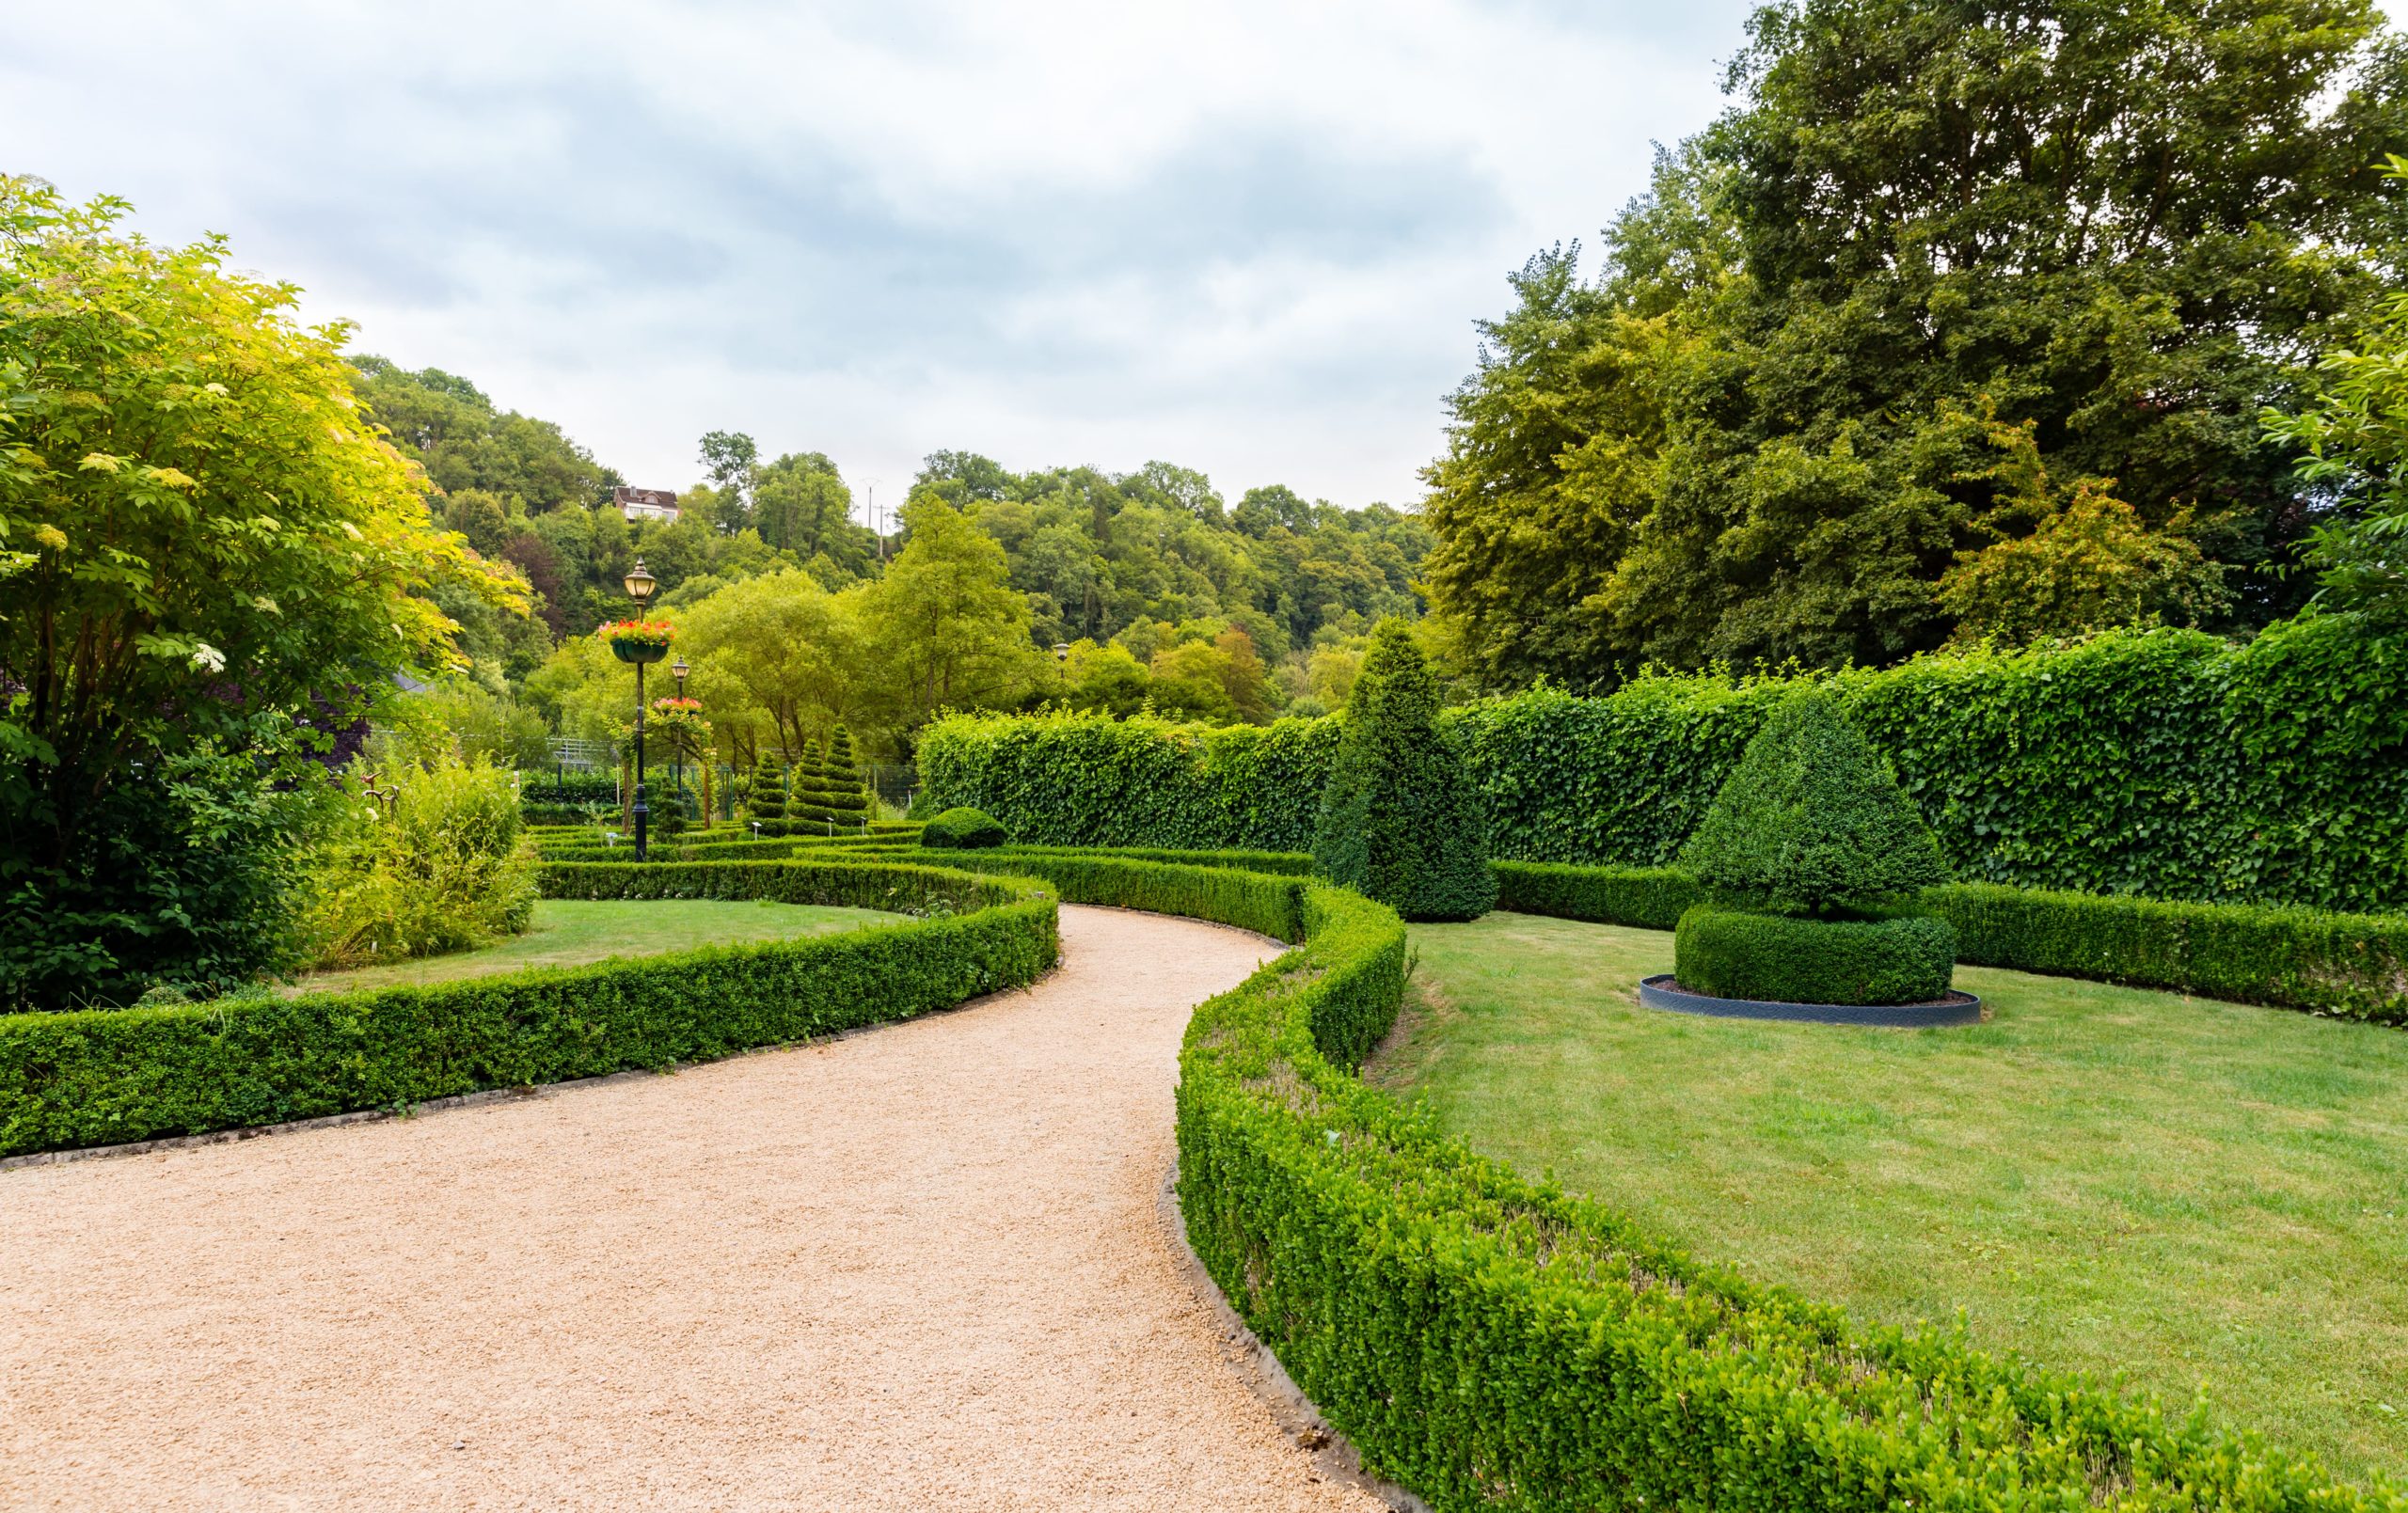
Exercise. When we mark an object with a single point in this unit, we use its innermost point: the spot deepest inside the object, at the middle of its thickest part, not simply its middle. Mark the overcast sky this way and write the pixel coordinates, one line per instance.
(1249, 238)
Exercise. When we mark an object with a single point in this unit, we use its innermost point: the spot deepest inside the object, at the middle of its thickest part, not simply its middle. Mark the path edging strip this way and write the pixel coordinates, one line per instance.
(1333, 1455)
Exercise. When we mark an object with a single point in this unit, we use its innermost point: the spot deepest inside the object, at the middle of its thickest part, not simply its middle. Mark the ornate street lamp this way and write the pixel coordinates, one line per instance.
(678, 669)
(639, 584)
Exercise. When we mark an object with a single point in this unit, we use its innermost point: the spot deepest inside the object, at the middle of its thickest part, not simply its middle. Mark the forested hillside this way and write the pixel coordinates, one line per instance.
(1156, 588)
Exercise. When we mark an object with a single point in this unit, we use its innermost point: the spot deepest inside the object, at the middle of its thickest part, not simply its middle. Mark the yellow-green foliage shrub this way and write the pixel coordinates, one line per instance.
(444, 868)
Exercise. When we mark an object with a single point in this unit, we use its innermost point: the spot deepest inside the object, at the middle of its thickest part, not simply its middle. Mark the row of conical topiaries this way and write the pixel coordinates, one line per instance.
(823, 787)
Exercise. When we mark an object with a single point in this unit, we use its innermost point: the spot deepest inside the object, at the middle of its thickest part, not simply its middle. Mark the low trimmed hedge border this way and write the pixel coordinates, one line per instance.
(105, 1076)
(2347, 965)
(1492, 1342)
(584, 848)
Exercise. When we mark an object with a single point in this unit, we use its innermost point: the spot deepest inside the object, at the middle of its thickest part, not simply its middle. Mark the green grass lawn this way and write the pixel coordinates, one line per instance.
(2192, 1193)
(571, 933)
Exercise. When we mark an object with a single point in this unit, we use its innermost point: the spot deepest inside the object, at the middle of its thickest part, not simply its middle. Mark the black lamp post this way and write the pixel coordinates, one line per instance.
(639, 584)
(677, 780)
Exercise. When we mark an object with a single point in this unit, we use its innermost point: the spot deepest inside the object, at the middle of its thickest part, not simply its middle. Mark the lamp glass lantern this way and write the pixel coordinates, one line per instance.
(639, 584)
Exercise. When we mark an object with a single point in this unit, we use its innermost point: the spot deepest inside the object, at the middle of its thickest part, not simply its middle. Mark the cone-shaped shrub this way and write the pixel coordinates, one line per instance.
(847, 798)
(766, 798)
(809, 800)
(1811, 821)
(1399, 819)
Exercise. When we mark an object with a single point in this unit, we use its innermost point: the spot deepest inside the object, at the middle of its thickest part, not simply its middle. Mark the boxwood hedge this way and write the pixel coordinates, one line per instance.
(1492, 1343)
(1743, 953)
(108, 1075)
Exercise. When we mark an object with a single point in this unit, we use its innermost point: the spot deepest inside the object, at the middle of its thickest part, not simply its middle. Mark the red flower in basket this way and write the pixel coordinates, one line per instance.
(639, 640)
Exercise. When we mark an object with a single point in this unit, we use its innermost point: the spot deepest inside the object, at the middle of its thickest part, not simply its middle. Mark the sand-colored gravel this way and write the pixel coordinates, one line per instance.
(921, 1267)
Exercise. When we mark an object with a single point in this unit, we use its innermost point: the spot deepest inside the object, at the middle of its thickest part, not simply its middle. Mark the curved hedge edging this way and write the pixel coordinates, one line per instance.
(583, 848)
(2349, 966)
(105, 1077)
(1492, 1342)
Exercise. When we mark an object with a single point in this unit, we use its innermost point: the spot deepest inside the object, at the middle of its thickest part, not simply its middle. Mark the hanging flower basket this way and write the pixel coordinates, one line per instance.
(639, 640)
(680, 722)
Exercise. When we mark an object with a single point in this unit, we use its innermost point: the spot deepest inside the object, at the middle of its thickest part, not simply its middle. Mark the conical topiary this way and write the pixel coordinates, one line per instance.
(766, 798)
(1812, 820)
(847, 798)
(806, 800)
(1399, 819)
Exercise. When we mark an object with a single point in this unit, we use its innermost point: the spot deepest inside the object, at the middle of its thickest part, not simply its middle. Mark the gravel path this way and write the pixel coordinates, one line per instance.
(920, 1266)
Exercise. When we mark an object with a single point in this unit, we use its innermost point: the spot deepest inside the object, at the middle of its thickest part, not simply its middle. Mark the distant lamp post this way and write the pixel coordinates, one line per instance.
(640, 650)
(678, 669)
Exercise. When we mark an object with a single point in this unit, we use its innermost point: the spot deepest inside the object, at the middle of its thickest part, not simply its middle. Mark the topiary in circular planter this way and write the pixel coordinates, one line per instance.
(1804, 848)
(1743, 963)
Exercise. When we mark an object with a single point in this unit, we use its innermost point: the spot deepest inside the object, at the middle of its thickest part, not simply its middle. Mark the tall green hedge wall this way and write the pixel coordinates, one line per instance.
(2167, 763)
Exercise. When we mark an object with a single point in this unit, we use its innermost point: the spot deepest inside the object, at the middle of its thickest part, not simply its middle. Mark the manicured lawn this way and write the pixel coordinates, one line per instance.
(570, 933)
(2194, 1194)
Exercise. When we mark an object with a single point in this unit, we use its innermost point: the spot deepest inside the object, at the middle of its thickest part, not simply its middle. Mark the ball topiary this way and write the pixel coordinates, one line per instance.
(1743, 953)
(964, 829)
(1811, 821)
(1399, 819)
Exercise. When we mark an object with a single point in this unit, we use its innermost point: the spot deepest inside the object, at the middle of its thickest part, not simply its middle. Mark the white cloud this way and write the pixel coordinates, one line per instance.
(1249, 237)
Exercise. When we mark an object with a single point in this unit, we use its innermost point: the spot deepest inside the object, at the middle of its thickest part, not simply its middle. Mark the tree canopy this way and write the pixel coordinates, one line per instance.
(1957, 298)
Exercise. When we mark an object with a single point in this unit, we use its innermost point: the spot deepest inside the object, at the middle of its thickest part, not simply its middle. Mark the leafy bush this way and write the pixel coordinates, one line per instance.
(1398, 820)
(1811, 821)
(1742, 953)
(2167, 763)
(105, 1077)
(446, 869)
(964, 829)
(187, 872)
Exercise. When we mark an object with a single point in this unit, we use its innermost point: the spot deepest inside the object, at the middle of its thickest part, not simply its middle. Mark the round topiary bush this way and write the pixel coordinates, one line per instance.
(1741, 953)
(964, 829)
(1398, 820)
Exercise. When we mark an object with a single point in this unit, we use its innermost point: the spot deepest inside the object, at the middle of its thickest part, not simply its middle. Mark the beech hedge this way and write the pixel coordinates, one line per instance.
(2167, 763)
(1497, 1344)
(104, 1077)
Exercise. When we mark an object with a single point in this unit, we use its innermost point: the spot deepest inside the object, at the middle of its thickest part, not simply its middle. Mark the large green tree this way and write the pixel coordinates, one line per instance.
(2351, 439)
(1772, 424)
(944, 623)
(206, 553)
